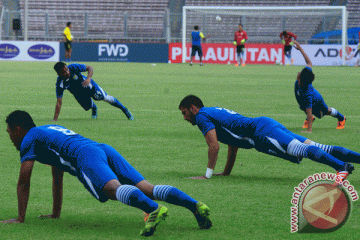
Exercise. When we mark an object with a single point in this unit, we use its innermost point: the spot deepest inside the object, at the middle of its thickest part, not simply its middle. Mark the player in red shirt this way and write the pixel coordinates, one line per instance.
(239, 42)
(288, 42)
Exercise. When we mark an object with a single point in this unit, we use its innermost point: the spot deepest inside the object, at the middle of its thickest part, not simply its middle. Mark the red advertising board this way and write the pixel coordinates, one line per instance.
(225, 53)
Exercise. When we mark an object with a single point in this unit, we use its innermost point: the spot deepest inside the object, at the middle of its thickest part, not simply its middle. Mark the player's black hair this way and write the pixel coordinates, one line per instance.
(284, 33)
(191, 99)
(21, 119)
(240, 25)
(59, 66)
(196, 27)
(68, 24)
(306, 77)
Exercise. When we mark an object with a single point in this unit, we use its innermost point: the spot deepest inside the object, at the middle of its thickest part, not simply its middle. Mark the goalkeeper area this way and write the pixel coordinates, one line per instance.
(252, 203)
(264, 24)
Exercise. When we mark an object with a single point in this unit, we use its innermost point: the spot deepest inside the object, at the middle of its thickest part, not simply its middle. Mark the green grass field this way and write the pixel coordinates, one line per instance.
(252, 203)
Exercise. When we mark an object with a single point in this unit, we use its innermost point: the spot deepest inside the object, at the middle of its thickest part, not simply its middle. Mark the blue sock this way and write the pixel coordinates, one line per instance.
(114, 102)
(345, 154)
(336, 114)
(174, 196)
(318, 155)
(134, 197)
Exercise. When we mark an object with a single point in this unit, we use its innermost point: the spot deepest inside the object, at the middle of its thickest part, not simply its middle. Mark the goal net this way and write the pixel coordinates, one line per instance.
(264, 24)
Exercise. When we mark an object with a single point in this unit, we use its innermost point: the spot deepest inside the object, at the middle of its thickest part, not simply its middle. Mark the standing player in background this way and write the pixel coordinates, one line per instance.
(309, 99)
(68, 38)
(83, 88)
(196, 37)
(239, 41)
(287, 41)
(262, 133)
(99, 167)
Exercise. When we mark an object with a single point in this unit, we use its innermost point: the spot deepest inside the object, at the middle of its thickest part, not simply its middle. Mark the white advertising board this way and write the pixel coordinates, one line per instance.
(29, 51)
(326, 55)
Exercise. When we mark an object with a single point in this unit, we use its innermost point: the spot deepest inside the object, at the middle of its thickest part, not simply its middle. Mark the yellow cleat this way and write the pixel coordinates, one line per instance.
(152, 220)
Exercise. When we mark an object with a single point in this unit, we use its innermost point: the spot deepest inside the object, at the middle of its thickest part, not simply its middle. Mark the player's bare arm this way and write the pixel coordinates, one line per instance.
(90, 71)
(212, 141)
(23, 191)
(231, 157)
(57, 189)
(306, 57)
(57, 109)
(309, 118)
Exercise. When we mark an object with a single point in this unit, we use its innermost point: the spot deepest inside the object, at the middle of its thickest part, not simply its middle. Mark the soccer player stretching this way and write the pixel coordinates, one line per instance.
(288, 42)
(309, 99)
(262, 133)
(196, 37)
(239, 41)
(83, 88)
(99, 167)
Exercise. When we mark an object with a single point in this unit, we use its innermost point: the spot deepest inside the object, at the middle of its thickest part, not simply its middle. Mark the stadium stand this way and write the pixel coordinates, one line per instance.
(146, 19)
(94, 19)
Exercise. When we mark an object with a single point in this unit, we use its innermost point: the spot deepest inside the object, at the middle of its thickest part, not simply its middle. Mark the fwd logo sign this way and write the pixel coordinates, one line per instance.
(113, 50)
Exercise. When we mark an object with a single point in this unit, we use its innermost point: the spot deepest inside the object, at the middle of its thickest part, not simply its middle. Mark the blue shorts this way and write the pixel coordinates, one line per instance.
(84, 96)
(97, 165)
(273, 138)
(319, 108)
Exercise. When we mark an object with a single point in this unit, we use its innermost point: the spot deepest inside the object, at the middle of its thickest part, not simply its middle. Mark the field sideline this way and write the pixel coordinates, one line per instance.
(252, 203)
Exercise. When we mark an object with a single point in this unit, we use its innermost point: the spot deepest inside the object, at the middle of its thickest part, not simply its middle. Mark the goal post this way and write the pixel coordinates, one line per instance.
(264, 24)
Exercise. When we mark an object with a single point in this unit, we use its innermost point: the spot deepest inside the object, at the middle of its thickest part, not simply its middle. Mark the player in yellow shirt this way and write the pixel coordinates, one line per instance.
(68, 38)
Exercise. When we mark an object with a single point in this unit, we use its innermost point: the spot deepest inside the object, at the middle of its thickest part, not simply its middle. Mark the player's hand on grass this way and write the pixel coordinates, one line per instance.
(307, 131)
(219, 174)
(198, 177)
(14, 220)
(48, 216)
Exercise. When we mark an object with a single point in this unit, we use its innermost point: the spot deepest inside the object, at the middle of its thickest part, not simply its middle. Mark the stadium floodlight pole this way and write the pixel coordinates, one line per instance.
(270, 11)
(26, 15)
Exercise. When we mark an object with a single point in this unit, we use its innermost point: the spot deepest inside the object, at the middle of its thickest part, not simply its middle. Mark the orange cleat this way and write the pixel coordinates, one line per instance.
(341, 124)
(243, 64)
(236, 64)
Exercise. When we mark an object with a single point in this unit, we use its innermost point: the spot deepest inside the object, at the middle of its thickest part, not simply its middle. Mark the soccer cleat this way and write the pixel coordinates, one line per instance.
(341, 124)
(190, 63)
(129, 115)
(202, 216)
(153, 219)
(343, 173)
(94, 113)
(306, 123)
(201, 64)
(236, 64)
(243, 64)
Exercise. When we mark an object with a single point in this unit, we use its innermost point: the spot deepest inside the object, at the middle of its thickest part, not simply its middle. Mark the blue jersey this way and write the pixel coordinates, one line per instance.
(54, 145)
(231, 127)
(262, 133)
(94, 164)
(308, 96)
(73, 83)
(196, 38)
